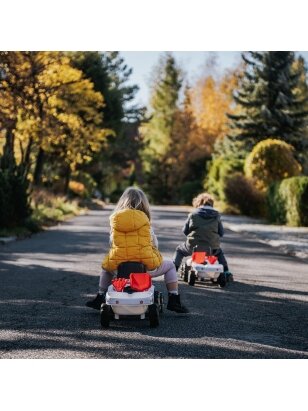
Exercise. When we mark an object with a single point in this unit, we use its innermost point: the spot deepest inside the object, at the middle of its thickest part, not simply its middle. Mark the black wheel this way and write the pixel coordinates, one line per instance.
(105, 315)
(186, 271)
(159, 300)
(221, 280)
(153, 315)
(161, 303)
(192, 278)
(181, 270)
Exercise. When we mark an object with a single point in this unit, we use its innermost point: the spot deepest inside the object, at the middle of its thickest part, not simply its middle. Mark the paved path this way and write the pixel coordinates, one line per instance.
(289, 240)
(45, 281)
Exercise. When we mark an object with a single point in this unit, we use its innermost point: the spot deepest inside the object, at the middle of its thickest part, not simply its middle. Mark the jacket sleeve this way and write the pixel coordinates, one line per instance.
(186, 226)
(220, 228)
(154, 238)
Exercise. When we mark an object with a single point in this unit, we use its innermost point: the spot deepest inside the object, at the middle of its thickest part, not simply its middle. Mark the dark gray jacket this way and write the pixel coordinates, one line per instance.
(204, 228)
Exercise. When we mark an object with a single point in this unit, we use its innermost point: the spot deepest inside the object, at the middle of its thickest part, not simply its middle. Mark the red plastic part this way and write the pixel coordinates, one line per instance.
(199, 257)
(211, 259)
(140, 281)
(119, 284)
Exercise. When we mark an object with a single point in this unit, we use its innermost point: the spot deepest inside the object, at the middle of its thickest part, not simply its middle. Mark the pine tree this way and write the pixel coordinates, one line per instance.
(164, 104)
(268, 104)
(110, 76)
(158, 133)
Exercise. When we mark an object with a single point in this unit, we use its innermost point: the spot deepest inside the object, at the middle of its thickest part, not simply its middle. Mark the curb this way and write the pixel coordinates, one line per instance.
(6, 240)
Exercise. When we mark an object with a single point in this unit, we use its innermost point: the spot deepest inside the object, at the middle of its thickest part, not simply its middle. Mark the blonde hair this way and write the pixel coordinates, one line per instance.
(203, 199)
(135, 199)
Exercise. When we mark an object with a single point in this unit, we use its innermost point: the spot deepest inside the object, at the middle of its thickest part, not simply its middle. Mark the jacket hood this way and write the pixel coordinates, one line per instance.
(206, 212)
(128, 220)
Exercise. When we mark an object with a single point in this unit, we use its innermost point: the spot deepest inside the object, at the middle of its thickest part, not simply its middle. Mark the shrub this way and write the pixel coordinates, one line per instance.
(77, 188)
(220, 170)
(189, 190)
(288, 201)
(88, 182)
(14, 204)
(49, 208)
(271, 160)
(242, 193)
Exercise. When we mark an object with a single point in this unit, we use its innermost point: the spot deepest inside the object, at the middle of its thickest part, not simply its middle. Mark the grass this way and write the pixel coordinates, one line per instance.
(49, 209)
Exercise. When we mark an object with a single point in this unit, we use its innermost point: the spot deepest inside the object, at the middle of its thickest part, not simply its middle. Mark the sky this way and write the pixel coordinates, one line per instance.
(192, 62)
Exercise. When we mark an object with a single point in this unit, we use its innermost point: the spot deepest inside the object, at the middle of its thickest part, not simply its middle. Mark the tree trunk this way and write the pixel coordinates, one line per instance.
(8, 158)
(67, 176)
(26, 160)
(39, 167)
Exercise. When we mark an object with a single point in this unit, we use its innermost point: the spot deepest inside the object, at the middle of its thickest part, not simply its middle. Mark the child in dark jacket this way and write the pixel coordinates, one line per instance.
(203, 229)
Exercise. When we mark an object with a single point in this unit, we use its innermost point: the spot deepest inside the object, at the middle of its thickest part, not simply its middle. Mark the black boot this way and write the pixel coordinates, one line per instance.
(174, 304)
(97, 302)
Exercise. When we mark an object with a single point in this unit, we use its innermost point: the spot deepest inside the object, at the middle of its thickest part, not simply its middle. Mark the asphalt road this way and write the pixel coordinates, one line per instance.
(46, 280)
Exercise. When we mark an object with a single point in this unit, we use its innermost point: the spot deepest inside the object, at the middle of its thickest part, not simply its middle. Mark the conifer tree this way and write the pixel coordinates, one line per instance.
(268, 102)
(164, 104)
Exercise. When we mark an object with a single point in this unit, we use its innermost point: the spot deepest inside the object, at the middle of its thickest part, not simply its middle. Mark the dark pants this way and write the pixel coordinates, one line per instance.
(185, 250)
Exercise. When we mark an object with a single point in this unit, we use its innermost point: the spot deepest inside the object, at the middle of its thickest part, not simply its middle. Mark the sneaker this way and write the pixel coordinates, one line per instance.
(97, 302)
(174, 304)
(229, 276)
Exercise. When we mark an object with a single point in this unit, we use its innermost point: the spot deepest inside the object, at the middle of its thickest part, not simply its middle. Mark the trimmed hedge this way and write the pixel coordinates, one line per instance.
(271, 160)
(288, 202)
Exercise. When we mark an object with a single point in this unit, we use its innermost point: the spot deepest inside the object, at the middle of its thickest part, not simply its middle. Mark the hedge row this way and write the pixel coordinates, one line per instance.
(288, 201)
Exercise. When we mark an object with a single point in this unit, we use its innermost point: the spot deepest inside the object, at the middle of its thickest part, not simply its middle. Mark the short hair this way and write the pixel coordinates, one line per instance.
(203, 199)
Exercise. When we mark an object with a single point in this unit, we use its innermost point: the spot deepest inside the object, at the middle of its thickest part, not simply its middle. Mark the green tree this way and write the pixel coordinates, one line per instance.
(269, 104)
(111, 77)
(160, 138)
(166, 86)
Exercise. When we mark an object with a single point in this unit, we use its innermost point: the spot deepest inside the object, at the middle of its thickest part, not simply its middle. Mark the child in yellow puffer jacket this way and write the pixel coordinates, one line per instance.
(132, 239)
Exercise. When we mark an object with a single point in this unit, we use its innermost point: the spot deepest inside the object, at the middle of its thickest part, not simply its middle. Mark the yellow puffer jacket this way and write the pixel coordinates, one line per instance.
(131, 241)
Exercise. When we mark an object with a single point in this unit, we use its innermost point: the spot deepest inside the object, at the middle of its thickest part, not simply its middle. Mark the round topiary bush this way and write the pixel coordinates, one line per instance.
(270, 161)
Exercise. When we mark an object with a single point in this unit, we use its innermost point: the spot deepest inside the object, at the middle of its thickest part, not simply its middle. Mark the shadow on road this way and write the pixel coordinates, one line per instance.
(241, 321)
(46, 280)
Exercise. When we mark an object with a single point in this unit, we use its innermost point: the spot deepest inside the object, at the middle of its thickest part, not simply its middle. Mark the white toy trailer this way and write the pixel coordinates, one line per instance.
(201, 266)
(140, 304)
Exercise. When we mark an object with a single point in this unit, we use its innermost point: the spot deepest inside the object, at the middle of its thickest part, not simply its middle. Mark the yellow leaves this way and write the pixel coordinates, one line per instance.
(211, 101)
(77, 187)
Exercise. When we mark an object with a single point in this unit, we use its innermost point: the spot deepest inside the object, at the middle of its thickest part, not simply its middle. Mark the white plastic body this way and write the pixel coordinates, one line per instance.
(203, 271)
(123, 303)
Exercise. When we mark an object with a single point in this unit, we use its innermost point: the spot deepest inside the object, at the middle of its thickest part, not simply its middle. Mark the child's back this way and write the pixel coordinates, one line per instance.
(131, 241)
(204, 228)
